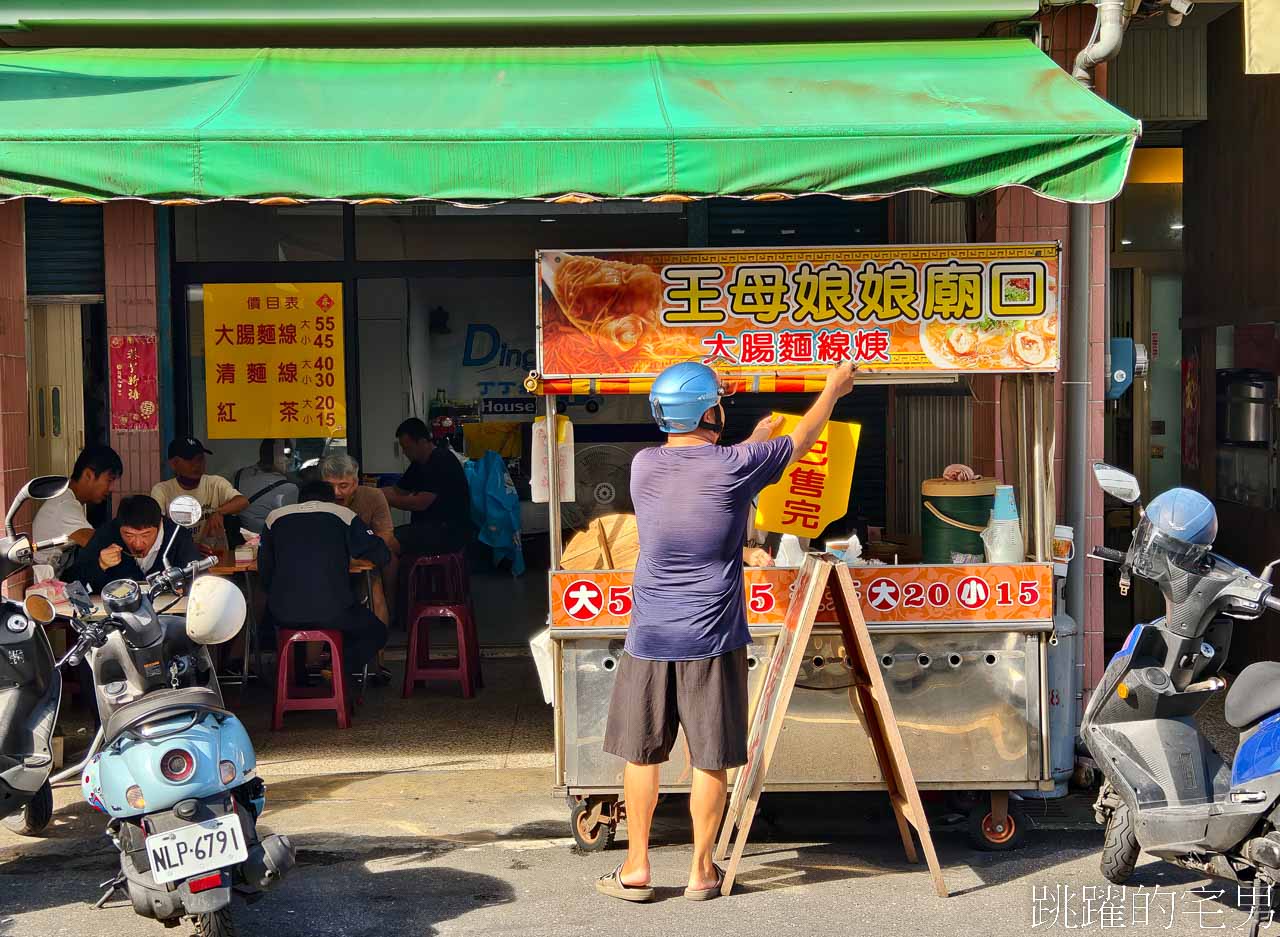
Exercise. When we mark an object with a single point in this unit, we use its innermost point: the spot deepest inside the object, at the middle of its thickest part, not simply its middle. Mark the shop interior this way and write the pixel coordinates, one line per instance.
(440, 321)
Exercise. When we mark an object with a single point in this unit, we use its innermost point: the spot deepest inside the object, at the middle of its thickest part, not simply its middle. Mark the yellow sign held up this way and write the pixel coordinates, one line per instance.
(274, 360)
(814, 491)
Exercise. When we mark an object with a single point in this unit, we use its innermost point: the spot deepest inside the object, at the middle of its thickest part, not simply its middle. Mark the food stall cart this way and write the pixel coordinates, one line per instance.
(963, 647)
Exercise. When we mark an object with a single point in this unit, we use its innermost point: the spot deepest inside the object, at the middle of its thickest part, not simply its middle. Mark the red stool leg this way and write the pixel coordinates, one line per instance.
(339, 665)
(465, 665)
(282, 682)
(410, 659)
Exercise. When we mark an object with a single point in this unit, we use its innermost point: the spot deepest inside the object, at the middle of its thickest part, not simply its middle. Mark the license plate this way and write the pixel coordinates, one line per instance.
(200, 847)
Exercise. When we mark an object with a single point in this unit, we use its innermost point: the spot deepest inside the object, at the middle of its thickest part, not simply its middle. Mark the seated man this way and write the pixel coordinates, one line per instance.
(304, 559)
(343, 473)
(265, 485)
(96, 470)
(216, 496)
(131, 546)
(434, 488)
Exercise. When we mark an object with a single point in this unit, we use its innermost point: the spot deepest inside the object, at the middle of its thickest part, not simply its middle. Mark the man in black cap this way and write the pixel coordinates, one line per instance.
(217, 496)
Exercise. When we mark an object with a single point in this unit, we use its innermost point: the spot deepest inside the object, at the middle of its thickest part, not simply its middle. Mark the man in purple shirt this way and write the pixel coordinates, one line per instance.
(685, 661)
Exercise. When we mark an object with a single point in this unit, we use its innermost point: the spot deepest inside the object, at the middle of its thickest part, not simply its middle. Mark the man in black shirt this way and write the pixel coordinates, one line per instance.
(434, 488)
(131, 546)
(304, 558)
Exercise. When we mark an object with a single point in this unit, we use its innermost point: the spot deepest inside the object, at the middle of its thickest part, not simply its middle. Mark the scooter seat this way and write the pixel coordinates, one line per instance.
(1255, 694)
(156, 704)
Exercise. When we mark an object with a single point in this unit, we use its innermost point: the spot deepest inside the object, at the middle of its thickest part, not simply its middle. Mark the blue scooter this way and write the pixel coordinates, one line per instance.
(1166, 789)
(176, 772)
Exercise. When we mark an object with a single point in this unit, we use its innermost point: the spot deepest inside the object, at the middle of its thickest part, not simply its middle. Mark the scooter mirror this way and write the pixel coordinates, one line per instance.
(39, 609)
(1117, 482)
(185, 511)
(40, 489)
(46, 487)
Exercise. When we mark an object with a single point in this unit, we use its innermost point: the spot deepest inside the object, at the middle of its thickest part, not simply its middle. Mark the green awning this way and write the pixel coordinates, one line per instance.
(850, 119)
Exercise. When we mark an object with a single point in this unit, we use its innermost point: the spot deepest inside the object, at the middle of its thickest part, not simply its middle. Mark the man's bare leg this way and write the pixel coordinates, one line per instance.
(706, 808)
(640, 791)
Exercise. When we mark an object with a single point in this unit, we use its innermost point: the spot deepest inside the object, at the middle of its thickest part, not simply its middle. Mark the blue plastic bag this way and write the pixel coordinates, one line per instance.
(495, 509)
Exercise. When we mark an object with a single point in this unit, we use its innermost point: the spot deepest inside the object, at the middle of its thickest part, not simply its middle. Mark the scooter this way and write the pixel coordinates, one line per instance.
(1165, 789)
(30, 684)
(176, 772)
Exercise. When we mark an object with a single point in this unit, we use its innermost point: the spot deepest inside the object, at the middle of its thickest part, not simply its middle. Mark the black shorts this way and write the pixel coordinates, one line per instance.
(652, 699)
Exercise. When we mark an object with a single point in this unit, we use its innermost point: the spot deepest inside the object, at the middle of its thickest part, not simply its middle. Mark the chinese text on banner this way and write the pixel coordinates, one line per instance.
(273, 358)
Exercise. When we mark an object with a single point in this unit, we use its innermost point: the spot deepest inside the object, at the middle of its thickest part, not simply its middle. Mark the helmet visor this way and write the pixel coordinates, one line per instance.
(1150, 541)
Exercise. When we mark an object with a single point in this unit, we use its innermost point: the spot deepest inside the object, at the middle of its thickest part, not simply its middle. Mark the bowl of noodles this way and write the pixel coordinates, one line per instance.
(991, 344)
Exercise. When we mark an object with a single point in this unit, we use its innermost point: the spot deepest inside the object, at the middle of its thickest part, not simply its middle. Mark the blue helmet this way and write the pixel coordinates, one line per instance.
(681, 394)
(1178, 526)
(1185, 514)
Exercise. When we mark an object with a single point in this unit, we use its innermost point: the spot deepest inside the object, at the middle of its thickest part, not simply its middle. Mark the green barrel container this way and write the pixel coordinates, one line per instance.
(953, 516)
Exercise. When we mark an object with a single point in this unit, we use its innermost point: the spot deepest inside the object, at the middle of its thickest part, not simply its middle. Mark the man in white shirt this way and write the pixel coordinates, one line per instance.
(96, 470)
(216, 495)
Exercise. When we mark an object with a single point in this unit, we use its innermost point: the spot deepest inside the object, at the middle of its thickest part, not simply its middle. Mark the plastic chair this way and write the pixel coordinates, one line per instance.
(442, 579)
(421, 667)
(291, 695)
(438, 577)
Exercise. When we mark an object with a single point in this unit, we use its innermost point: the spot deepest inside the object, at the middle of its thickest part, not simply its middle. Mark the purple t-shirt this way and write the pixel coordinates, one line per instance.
(692, 506)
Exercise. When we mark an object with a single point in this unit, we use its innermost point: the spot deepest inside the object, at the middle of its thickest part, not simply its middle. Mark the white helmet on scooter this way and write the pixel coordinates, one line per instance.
(215, 610)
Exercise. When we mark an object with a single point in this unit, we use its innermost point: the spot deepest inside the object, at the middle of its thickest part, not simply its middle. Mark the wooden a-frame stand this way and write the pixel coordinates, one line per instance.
(868, 696)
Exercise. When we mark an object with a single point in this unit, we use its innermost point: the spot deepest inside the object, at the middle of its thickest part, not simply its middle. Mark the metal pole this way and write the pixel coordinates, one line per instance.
(553, 483)
(1076, 389)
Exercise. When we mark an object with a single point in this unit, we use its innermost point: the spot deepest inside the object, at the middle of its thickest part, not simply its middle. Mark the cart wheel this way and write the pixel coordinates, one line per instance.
(983, 833)
(591, 835)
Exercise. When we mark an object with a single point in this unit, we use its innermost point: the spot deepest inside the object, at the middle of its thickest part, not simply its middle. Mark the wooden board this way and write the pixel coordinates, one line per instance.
(868, 695)
(609, 542)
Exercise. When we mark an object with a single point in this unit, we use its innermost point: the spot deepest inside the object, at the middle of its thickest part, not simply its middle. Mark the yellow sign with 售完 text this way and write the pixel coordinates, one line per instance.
(813, 491)
(273, 360)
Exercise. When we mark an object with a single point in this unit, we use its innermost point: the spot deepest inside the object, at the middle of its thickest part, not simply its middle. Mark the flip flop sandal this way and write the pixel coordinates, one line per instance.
(613, 886)
(706, 894)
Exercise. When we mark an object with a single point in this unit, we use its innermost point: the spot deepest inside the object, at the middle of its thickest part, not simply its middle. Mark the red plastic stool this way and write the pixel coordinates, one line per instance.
(292, 695)
(420, 667)
(438, 577)
(441, 579)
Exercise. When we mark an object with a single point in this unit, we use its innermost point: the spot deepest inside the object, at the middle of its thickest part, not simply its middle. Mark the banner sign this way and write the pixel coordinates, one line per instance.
(813, 492)
(274, 360)
(888, 595)
(960, 308)
(131, 361)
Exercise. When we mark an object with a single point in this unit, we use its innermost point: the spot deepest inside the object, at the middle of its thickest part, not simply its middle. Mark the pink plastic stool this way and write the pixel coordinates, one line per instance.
(291, 695)
(420, 667)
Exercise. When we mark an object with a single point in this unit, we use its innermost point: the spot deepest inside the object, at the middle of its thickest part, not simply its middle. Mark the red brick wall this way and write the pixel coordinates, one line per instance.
(129, 244)
(1013, 215)
(15, 460)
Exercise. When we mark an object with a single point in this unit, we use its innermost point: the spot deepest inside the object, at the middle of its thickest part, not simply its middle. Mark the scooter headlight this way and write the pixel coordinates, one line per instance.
(177, 765)
(226, 771)
(135, 799)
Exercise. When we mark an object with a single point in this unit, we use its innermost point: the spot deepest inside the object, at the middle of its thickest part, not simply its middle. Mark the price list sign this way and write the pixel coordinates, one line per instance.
(273, 360)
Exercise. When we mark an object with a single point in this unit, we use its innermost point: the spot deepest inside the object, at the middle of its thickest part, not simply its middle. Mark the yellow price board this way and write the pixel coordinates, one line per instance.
(814, 491)
(274, 360)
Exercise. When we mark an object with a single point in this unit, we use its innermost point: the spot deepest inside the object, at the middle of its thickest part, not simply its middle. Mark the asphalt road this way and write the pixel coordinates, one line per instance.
(487, 852)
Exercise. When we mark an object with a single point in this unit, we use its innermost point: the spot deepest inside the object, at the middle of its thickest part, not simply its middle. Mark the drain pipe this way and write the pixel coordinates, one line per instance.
(1108, 33)
(1076, 392)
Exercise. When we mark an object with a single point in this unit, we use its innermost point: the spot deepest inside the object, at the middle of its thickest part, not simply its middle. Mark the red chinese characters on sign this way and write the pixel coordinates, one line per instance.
(132, 366)
(888, 595)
